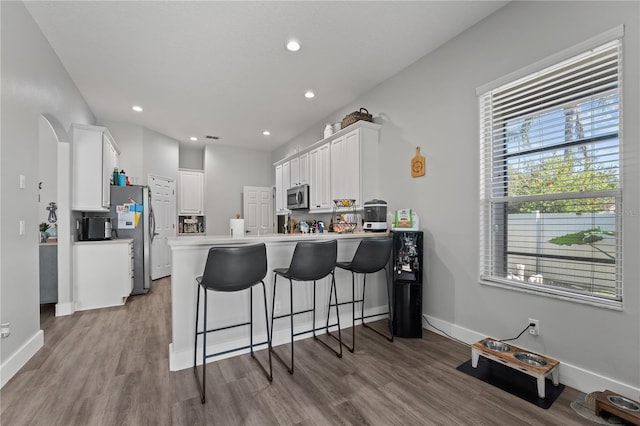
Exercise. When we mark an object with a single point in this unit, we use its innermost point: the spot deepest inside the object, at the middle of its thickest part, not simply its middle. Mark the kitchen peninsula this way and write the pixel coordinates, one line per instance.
(189, 255)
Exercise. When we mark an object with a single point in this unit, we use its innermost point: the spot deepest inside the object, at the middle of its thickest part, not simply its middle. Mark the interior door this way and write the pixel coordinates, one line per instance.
(163, 197)
(257, 206)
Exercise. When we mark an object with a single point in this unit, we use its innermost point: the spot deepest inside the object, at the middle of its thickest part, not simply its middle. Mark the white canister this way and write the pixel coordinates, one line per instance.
(337, 127)
(236, 228)
(328, 131)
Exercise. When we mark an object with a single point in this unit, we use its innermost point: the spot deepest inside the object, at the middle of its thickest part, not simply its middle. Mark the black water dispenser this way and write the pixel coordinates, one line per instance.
(406, 276)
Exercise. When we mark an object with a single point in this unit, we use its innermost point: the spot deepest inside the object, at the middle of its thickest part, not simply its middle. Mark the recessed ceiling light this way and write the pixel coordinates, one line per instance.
(266, 133)
(309, 94)
(193, 138)
(293, 46)
(136, 108)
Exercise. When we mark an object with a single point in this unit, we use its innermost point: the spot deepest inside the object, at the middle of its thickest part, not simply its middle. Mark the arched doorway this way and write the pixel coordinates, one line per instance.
(55, 174)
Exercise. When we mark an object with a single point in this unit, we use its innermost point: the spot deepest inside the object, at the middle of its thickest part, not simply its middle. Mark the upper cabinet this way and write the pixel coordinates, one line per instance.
(95, 155)
(283, 182)
(191, 192)
(320, 177)
(299, 167)
(344, 165)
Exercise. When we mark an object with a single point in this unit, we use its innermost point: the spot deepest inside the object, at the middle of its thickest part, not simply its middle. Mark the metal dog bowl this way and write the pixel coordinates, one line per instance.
(494, 345)
(622, 402)
(530, 359)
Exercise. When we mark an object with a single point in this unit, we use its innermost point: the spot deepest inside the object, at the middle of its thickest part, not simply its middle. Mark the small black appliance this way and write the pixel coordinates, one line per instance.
(95, 228)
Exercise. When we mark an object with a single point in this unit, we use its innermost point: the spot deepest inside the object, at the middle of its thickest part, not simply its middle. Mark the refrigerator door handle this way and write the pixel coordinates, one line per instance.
(152, 220)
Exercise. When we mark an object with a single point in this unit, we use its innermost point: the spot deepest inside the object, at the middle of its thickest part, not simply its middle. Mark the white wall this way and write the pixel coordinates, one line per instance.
(160, 155)
(128, 137)
(47, 169)
(191, 158)
(34, 82)
(432, 104)
(144, 151)
(227, 170)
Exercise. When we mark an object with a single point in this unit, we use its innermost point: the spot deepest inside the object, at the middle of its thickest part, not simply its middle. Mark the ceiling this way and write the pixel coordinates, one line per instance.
(220, 67)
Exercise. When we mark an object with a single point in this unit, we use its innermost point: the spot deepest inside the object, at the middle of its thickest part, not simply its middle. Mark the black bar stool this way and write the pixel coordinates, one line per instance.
(372, 255)
(311, 261)
(231, 269)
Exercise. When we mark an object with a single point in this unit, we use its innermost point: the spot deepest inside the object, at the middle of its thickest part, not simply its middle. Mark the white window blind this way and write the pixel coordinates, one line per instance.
(550, 179)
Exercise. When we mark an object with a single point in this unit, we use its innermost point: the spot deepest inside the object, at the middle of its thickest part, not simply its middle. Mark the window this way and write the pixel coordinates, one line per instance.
(550, 179)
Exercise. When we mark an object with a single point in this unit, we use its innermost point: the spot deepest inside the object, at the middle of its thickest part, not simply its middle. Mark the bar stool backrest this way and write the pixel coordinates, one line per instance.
(235, 268)
(313, 260)
(371, 255)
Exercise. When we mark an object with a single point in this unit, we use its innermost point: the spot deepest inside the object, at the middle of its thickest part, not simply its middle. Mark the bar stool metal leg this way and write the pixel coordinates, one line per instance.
(338, 352)
(311, 261)
(269, 373)
(334, 292)
(195, 343)
(273, 317)
(203, 384)
(364, 284)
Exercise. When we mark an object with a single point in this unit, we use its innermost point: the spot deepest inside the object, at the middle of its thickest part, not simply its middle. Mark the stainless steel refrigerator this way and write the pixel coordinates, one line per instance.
(142, 233)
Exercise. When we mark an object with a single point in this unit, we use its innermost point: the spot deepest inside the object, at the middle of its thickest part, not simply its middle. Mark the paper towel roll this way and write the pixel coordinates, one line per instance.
(236, 228)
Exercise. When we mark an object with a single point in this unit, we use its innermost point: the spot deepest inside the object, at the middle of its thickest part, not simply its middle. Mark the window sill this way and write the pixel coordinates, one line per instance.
(553, 294)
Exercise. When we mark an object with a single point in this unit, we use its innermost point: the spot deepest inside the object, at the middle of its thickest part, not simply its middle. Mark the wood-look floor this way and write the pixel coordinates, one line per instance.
(110, 367)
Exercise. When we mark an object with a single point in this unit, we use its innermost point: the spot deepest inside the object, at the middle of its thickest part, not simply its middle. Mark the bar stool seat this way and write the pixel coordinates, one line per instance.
(372, 255)
(311, 261)
(231, 269)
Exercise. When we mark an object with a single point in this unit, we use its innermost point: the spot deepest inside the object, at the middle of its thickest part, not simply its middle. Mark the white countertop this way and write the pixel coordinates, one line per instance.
(112, 241)
(208, 240)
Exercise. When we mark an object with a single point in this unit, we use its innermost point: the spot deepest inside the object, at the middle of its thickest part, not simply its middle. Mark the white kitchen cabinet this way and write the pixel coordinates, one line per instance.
(102, 273)
(190, 192)
(279, 190)
(283, 182)
(344, 165)
(286, 180)
(304, 168)
(95, 154)
(294, 171)
(299, 169)
(320, 178)
(355, 164)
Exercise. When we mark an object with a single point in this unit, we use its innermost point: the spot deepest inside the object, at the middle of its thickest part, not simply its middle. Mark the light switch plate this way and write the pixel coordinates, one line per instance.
(22, 229)
(23, 182)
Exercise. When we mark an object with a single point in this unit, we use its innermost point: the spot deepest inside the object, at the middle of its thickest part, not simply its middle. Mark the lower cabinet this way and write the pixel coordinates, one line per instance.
(49, 273)
(103, 273)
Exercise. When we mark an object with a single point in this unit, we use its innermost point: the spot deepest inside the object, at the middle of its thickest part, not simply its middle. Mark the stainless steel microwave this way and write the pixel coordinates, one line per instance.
(298, 198)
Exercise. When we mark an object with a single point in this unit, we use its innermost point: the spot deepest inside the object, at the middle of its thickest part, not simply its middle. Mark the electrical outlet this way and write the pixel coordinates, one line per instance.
(534, 330)
(5, 330)
(276, 308)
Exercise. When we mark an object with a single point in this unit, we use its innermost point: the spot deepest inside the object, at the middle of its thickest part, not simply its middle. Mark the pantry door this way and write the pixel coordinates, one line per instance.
(163, 198)
(257, 206)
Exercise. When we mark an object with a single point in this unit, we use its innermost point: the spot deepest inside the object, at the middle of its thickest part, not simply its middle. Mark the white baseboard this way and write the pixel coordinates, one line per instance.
(63, 309)
(15, 362)
(179, 360)
(570, 375)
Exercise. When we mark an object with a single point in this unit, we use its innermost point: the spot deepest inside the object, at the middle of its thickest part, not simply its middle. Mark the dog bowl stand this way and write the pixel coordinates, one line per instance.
(507, 358)
(603, 404)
